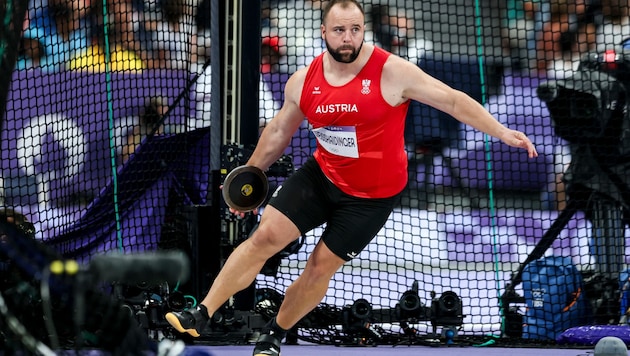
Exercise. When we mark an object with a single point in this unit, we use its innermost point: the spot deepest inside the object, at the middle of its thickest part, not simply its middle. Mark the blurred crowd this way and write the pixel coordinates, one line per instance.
(546, 36)
(127, 34)
(551, 36)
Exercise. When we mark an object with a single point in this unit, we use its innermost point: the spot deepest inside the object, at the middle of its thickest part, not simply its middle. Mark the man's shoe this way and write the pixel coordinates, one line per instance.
(191, 321)
(267, 345)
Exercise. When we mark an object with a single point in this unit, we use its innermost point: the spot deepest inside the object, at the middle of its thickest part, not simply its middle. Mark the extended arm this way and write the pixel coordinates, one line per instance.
(413, 83)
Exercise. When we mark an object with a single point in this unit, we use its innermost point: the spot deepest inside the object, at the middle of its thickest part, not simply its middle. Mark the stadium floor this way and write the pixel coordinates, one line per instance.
(325, 350)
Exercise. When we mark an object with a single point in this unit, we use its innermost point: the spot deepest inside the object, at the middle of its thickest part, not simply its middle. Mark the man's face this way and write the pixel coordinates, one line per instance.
(343, 31)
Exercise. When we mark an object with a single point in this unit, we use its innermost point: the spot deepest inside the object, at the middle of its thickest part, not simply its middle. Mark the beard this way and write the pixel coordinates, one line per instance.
(344, 58)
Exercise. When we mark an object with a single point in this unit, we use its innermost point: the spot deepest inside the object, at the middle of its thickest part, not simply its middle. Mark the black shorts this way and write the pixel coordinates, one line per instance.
(309, 200)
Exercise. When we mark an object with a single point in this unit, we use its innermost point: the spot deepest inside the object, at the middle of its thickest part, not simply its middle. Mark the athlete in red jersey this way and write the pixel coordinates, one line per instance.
(355, 96)
(359, 134)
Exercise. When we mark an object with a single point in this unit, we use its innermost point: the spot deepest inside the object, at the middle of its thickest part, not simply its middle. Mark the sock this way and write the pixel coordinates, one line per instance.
(275, 330)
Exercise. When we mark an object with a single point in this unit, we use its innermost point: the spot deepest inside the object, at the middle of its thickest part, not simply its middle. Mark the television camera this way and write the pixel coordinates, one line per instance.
(589, 110)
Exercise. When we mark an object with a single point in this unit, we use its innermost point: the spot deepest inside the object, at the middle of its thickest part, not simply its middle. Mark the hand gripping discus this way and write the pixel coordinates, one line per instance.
(245, 188)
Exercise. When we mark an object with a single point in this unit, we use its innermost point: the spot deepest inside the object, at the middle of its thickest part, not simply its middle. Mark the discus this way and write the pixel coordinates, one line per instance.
(245, 188)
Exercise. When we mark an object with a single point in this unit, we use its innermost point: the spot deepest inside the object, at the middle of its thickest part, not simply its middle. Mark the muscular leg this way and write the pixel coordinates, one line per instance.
(274, 232)
(310, 287)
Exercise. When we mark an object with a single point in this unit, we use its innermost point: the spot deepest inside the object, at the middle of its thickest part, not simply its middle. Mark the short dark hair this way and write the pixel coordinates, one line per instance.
(343, 3)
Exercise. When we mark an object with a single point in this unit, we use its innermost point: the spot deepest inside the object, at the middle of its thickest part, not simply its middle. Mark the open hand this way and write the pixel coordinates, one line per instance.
(518, 139)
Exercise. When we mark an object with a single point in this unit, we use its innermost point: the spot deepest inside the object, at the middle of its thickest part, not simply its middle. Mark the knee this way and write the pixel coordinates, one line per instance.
(266, 241)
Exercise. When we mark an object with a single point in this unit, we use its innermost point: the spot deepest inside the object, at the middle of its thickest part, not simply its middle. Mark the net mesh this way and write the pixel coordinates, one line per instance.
(106, 136)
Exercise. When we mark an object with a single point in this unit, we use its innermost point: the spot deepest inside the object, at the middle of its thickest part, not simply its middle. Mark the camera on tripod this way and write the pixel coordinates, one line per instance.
(446, 310)
(357, 322)
(590, 111)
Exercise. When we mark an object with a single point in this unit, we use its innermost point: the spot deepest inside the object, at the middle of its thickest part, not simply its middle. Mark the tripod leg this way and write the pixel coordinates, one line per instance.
(512, 320)
(608, 237)
(547, 239)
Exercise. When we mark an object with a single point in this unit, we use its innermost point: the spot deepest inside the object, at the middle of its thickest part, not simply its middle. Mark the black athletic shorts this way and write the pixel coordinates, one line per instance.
(310, 199)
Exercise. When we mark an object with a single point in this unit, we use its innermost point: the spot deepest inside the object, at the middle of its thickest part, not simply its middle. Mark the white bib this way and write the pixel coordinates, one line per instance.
(339, 140)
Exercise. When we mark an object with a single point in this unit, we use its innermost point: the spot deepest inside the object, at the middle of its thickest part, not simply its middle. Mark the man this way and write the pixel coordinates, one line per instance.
(355, 96)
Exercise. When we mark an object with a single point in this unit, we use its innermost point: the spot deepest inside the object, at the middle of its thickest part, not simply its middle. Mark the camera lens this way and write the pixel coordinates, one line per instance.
(361, 309)
(449, 301)
(409, 302)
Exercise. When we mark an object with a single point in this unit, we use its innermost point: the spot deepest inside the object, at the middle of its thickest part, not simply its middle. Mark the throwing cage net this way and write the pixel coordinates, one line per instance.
(121, 118)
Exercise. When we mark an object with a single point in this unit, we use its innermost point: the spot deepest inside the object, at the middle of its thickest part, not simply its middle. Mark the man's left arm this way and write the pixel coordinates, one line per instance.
(415, 84)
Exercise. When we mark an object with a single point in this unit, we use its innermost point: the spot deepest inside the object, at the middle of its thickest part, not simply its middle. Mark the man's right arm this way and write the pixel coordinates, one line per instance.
(277, 135)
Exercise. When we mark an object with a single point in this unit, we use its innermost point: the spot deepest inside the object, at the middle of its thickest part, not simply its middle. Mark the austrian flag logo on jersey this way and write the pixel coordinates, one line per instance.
(366, 86)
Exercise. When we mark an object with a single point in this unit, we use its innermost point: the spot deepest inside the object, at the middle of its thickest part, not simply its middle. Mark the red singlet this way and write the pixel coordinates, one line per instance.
(360, 137)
